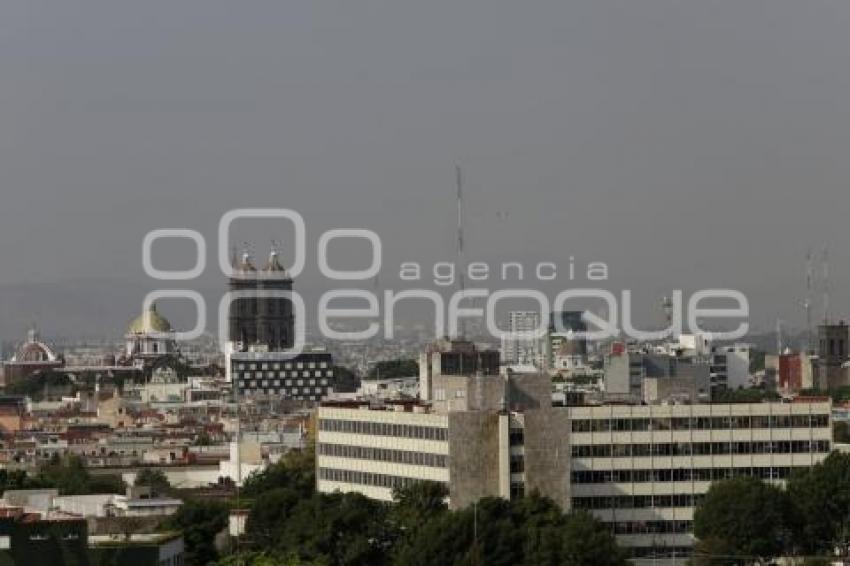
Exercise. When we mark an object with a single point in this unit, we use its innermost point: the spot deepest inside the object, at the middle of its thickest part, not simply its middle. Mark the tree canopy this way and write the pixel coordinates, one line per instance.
(391, 369)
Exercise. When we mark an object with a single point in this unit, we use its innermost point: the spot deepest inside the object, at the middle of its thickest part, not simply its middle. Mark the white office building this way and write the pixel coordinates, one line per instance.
(524, 345)
(642, 469)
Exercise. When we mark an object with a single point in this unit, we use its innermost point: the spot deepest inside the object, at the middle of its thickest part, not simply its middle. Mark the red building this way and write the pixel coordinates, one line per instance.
(791, 372)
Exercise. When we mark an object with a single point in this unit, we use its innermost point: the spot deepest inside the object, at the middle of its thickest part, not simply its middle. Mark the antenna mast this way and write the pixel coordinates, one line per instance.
(461, 267)
(807, 303)
(825, 275)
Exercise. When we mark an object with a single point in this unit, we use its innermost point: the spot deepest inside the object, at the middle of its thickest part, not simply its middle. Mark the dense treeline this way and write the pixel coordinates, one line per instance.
(290, 523)
(747, 519)
(69, 475)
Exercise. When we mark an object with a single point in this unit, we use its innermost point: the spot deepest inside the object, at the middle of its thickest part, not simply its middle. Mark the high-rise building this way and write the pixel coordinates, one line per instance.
(523, 347)
(260, 317)
(566, 344)
(833, 341)
(261, 327)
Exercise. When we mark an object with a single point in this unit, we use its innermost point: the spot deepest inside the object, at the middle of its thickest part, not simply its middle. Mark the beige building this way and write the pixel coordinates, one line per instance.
(642, 469)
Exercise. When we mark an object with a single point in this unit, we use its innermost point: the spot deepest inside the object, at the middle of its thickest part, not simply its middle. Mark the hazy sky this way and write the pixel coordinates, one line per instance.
(685, 143)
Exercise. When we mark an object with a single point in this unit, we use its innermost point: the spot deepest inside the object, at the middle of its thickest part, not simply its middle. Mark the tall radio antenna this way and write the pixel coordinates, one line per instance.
(807, 303)
(461, 267)
(825, 275)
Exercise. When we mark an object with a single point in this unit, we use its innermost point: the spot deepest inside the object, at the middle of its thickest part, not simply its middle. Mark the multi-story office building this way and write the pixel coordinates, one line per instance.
(307, 377)
(373, 451)
(640, 468)
(523, 346)
(643, 469)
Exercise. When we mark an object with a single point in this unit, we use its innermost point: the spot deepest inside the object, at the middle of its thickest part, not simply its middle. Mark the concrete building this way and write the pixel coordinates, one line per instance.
(161, 549)
(524, 345)
(257, 319)
(641, 469)
(447, 359)
(833, 353)
(730, 366)
(652, 377)
(307, 377)
(644, 469)
(794, 371)
(137, 502)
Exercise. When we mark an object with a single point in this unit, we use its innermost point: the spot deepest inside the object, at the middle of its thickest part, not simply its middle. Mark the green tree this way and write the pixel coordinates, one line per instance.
(269, 515)
(744, 517)
(70, 476)
(588, 541)
(15, 479)
(343, 529)
(200, 522)
(742, 395)
(418, 503)
(530, 531)
(264, 559)
(154, 479)
(345, 380)
(296, 470)
(821, 498)
(394, 368)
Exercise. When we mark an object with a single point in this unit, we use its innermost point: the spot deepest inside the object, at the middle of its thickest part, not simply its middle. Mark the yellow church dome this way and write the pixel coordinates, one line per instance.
(149, 322)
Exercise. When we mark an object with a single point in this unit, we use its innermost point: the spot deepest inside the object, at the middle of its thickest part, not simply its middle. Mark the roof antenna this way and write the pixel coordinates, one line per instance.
(460, 254)
(807, 302)
(825, 274)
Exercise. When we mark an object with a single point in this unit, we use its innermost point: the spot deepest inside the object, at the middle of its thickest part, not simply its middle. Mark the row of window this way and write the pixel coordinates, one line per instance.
(651, 527)
(659, 551)
(289, 391)
(677, 475)
(699, 449)
(385, 429)
(365, 478)
(700, 423)
(281, 365)
(283, 393)
(637, 501)
(283, 382)
(384, 455)
(286, 374)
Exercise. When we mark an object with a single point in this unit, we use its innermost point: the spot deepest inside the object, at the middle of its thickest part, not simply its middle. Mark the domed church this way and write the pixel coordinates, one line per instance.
(150, 339)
